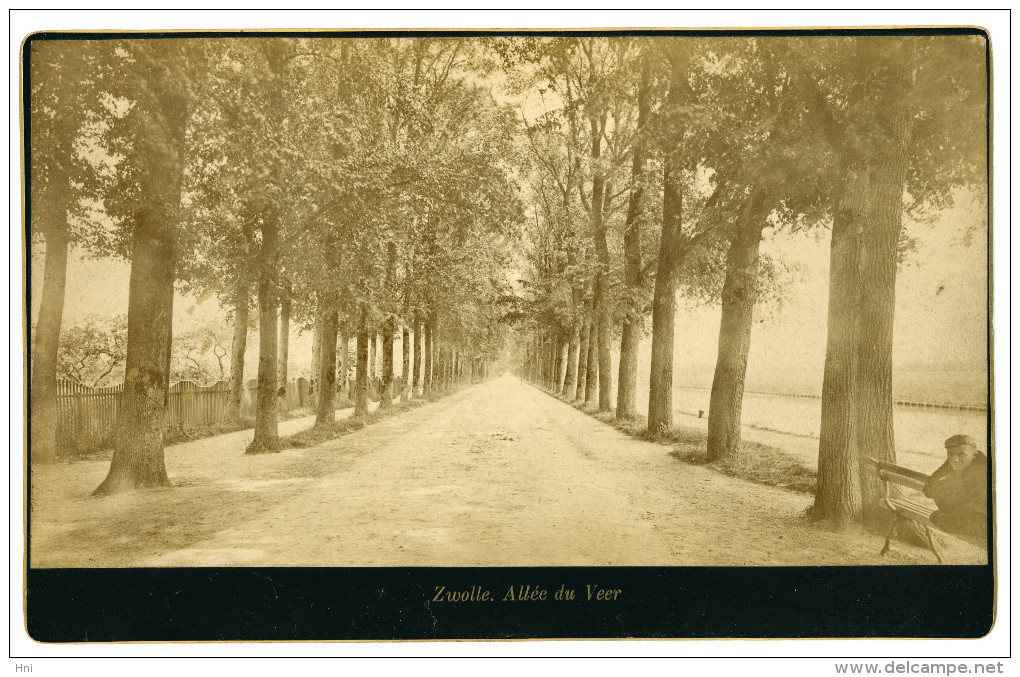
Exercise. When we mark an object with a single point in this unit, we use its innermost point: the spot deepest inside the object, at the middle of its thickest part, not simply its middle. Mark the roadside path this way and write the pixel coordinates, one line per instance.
(499, 474)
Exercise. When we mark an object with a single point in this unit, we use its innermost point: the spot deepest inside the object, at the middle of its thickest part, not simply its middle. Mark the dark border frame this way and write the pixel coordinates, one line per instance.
(305, 603)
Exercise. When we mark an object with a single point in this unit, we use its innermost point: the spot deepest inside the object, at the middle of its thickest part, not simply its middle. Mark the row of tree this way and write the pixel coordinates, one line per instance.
(92, 351)
(658, 164)
(352, 186)
(377, 186)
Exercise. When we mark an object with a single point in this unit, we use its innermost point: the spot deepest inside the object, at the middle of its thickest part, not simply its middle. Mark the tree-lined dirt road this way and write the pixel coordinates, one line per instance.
(499, 474)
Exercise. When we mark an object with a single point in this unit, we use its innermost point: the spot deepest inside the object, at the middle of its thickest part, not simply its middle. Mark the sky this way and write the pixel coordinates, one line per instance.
(941, 309)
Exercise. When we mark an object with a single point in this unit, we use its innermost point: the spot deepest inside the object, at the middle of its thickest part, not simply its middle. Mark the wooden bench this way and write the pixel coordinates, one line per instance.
(916, 509)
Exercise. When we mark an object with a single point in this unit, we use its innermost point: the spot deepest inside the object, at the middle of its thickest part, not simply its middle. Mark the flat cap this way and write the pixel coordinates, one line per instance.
(959, 441)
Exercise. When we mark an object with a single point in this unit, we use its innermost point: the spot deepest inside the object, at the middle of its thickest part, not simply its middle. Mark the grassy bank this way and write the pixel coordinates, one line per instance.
(760, 463)
(318, 434)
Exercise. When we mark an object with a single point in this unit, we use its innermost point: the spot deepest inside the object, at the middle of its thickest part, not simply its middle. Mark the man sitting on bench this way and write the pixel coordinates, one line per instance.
(959, 488)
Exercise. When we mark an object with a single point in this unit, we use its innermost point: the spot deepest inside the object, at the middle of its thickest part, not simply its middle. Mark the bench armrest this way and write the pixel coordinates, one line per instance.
(890, 472)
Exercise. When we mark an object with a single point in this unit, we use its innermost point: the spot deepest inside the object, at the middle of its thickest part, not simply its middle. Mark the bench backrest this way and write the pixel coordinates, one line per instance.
(895, 474)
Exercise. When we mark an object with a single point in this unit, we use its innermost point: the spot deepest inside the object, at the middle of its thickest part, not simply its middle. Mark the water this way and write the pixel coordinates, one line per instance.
(917, 430)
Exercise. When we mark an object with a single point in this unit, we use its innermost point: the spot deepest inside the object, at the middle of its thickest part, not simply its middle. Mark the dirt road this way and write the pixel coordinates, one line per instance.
(499, 474)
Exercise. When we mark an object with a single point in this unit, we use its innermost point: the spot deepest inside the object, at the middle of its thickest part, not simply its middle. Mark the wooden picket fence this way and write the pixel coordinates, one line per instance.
(87, 417)
(190, 405)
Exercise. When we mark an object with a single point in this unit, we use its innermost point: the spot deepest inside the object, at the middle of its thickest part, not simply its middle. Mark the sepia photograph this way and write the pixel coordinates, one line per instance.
(536, 322)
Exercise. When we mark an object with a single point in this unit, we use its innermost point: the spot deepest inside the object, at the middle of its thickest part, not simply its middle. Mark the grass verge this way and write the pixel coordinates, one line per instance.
(324, 433)
(178, 435)
(104, 450)
(759, 463)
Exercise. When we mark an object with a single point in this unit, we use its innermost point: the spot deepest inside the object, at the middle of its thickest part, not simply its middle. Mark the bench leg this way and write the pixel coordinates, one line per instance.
(889, 534)
(931, 544)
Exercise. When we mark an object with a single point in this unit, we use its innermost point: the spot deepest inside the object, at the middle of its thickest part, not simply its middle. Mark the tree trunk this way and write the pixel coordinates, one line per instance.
(738, 298)
(660, 381)
(283, 346)
(559, 363)
(316, 355)
(389, 328)
(419, 348)
(550, 362)
(437, 370)
(838, 493)
(874, 405)
(626, 406)
(373, 363)
(880, 240)
(343, 360)
(405, 364)
(361, 382)
(386, 386)
(427, 367)
(570, 380)
(857, 404)
(591, 387)
(603, 307)
(47, 339)
(543, 364)
(138, 449)
(444, 369)
(582, 360)
(325, 408)
(267, 438)
(237, 350)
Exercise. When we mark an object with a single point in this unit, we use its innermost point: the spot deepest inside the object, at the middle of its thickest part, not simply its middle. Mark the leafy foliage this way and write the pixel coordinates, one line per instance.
(198, 355)
(92, 351)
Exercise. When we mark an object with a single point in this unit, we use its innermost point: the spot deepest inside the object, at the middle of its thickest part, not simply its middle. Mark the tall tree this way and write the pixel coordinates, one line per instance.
(266, 209)
(361, 383)
(781, 176)
(738, 298)
(696, 191)
(283, 344)
(325, 409)
(419, 349)
(64, 77)
(157, 77)
(389, 330)
(238, 348)
(891, 138)
(582, 359)
(266, 439)
(626, 406)
(660, 393)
